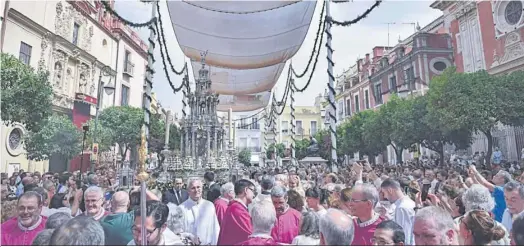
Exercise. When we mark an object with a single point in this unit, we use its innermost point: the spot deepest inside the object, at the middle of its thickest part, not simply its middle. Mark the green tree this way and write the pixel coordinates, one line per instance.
(125, 123)
(174, 137)
(157, 134)
(57, 136)
(271, 149)
(244, 157)
(301, 148)
(351, 136)
(477, 101)
(26, 95)
(375, 133)
(323, 138)
(104, 136)
(432, 132)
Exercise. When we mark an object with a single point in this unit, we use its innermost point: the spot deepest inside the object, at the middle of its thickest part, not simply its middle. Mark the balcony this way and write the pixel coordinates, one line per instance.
(128, 68)
(253, 149)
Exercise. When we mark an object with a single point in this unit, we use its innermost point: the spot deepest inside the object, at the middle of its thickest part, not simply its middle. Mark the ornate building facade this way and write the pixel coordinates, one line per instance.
(488, 35)
(73, 40)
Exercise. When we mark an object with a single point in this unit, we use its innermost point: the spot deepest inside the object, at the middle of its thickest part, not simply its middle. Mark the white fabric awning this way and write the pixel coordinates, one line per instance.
(241, 41)
(238, 82)
(240, 7)
(248, 102)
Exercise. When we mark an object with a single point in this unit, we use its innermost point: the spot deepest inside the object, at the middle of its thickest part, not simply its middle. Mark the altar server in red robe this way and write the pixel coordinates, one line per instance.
(287, 226)
(236, 225)
(263, 217)
(227, 192)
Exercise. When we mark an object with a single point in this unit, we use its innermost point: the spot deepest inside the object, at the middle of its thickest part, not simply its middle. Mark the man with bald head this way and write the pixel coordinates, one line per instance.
(175, 195)
(336, 228)
(117, 225)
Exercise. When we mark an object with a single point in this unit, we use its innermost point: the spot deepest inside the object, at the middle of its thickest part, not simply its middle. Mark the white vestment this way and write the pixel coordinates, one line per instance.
(201, 221)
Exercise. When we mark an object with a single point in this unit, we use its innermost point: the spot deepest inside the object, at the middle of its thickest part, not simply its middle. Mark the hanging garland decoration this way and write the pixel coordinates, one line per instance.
(315, 49)
(163, 43)
(283, 101)
(248, 117)
(164, 65)
(300, 90)
(108, 8)
(356, 20)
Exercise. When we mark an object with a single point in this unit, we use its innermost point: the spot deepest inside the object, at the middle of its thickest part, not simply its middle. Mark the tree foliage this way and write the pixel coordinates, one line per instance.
(301, 148)
(57, 136)
(26, 95)
(125, 123)
(104, 136)
(244, 157)
(281, 148)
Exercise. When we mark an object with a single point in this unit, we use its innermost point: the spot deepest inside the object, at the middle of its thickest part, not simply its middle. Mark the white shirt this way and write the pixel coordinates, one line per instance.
(404, 215)
(507, 219)
(201, 220)
(304, 240)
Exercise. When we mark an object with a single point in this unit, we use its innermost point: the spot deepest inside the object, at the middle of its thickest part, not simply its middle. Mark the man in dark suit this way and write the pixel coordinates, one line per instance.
(214, 188)
(175, 195)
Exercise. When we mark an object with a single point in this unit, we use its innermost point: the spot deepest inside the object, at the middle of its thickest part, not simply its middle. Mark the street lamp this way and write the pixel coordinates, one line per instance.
(109, 89)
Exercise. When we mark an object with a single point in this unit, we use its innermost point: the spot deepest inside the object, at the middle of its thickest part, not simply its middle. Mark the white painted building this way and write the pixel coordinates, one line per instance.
(248, 133)
(72, 40)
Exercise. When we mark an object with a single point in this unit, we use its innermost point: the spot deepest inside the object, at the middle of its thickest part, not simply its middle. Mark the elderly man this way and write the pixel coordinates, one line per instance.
(176, 195)
(514, 196)
(404, 207)
(57, 219)
(81, 230)
(200, 216)
(364, 199)
(21, 230)
(263, 217)
(227, 192)
(94, 198)
(43, 238)
(496, 188)
(236, 226)
(434, 226)
(336, 228)
(287, 226)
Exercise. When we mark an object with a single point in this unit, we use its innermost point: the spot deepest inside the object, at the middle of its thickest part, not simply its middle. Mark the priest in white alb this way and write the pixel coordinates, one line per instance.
(200, 216)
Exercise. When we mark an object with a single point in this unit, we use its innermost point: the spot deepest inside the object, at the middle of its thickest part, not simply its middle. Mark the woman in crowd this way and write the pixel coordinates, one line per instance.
(477, 227)
(309, 233)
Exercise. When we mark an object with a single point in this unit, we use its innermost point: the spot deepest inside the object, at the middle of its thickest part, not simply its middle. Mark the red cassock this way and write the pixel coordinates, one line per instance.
(258, 241)
(287, 226)
(236, 225)
(220, 208)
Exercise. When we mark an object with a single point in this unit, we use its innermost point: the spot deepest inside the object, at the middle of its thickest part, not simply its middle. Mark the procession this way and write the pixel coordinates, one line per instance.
(209, 123)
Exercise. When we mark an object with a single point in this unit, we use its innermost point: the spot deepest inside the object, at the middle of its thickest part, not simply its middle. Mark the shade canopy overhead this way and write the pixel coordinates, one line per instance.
(240, 103)
(247, 43)
(239, 82)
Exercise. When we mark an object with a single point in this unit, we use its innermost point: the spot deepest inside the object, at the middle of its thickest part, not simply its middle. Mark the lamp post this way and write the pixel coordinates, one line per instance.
(109, 88)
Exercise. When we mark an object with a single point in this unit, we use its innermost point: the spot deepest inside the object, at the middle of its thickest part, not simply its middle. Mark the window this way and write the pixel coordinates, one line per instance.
(254, 123)
(300, 130)
(243, 123)
(124, 101)
(348, 107)
(25, 53)
(340, 110)
(357, 104)
(76, 28)
(378, 93)
(285, 127)
(409, 76)
(242, 143)
(393, 84)
(366, 98)
(513, 12)
(313, 127)
(128, 65)
(440, 66)
(254, 146)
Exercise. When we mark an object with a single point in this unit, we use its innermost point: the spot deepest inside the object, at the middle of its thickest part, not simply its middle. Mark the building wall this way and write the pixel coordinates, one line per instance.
(247, 135)
(306, 114)
(47, 26)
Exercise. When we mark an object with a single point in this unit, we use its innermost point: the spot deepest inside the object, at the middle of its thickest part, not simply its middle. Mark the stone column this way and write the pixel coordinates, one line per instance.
(193, 142)
(208, 142)
(166, 143)
(182, 148)
(215, 140)
(186, 142)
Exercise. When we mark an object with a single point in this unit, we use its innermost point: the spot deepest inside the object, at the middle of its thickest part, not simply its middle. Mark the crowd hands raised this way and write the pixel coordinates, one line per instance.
(415, 203)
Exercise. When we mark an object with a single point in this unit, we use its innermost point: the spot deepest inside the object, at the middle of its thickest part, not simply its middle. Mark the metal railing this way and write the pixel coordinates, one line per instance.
(129, 67)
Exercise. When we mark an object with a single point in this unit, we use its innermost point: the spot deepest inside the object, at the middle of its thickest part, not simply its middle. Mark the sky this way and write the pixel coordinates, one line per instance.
(349, 43)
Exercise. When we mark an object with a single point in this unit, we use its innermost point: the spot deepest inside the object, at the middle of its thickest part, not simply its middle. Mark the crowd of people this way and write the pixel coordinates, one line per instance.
(415, 203)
